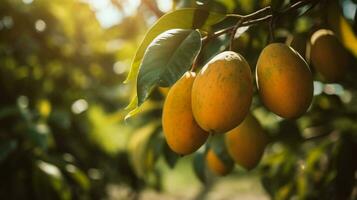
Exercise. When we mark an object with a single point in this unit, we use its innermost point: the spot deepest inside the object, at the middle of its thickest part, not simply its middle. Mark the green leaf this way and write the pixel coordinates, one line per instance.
(170, 156)
(78, 176)
(184, 19)
(141, 156)
(214, 47)
(199, 166)
(167, 58)
(48, 182)
(133, 107)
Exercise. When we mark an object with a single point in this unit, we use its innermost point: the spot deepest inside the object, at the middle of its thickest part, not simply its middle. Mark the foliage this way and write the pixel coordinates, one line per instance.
(60, 136)
(62, 128)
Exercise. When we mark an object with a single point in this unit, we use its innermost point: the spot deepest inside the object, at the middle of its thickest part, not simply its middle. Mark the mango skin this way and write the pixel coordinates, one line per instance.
(246, 143)
(222, 93)
(328, 55)
(284, 81)
(216, 165)
(182, 133)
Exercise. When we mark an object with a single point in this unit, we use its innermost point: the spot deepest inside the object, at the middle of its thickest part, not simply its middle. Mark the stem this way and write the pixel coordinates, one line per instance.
(253, 19)
(234, 30)
(194, 64)
(229, 29)
(253, 14)
(271, 29)
(298, 4)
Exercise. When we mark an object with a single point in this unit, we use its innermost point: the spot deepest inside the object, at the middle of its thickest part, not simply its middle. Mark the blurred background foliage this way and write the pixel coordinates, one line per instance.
(62, 133)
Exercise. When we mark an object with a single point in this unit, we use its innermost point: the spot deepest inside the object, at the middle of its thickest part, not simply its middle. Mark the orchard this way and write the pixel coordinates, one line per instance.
(218, 92)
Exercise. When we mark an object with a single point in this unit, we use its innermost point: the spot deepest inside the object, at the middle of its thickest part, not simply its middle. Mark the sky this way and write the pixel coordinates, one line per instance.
(108, 15)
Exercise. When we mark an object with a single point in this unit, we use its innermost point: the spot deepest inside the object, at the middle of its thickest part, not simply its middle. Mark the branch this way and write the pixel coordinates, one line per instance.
(256, 18)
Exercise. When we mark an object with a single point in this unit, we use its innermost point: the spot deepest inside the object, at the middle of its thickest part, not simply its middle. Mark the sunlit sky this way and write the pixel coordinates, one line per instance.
(108, 15)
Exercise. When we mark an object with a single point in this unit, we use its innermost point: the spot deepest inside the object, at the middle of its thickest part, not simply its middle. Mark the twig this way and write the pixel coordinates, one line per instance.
(271, 28)
(253, 14)
(229, 29)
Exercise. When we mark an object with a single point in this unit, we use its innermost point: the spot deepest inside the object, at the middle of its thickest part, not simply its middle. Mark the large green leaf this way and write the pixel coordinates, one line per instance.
(190, 18)
(167, 58)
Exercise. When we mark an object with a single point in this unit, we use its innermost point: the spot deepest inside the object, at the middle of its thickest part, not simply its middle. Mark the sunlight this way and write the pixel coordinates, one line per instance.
(108, 15)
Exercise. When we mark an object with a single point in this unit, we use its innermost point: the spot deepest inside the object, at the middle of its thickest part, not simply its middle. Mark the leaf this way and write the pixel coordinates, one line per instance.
(184, 19)
(147, 107)
(49, 182)
(170, 156)
(140, 158)
(167, 58)
(214, 47)
(155, 146)
(341, 27)
(78, 176)
(133, 107)
(199, 166)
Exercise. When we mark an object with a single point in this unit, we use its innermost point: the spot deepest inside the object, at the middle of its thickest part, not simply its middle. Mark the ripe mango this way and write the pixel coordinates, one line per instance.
(182, 133)
(246, 143)
(222, 93)
(328, 55)
(284, 81)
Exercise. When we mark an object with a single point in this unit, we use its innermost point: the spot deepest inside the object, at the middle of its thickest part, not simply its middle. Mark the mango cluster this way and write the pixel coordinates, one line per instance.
(217, 100)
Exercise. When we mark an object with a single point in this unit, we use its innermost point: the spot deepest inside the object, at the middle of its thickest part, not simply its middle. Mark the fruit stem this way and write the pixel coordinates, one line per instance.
(234, 30)
(271, 28)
